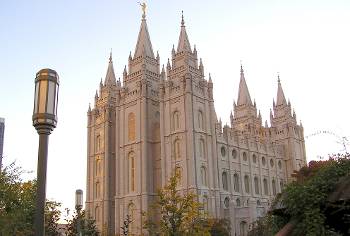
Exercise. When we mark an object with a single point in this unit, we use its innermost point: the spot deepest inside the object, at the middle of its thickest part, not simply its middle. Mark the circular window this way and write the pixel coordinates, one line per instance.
(234, 154)
(271, 163)
(244, 156)
(254, 158)
(223, 151)
(263, 161)
(227, 202)
(280, 164)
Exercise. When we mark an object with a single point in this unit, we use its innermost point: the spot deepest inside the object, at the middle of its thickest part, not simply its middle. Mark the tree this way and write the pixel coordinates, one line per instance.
(306, 201)
(179, 214)
(17, 205)
(88, 225)
(125, 227)
(220, 227)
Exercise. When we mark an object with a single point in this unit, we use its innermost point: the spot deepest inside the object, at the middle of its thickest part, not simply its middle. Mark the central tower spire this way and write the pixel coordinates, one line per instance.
(144, 45)
(184, 43)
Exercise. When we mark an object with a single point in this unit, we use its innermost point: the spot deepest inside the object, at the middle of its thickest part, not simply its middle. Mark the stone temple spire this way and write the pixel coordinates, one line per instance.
(243, 92)
(110, 76)
(184, 43)
(144, 45)
(281, 100)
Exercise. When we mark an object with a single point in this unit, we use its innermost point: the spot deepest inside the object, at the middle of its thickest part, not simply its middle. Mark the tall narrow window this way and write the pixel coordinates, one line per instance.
(273, 187)
(266, 187)
(98, 143)
(200, 120)
(178, 172)
(224, 181)
(176, 120)
(256, 185)
(243, 228)
(281, 185)
(236, 182)
(131, 169)
(177, 149)
(97, 214)
(131, 126)
(246, 184)
(97, 190)
(201, 148)
(131, 213)
(204, 176)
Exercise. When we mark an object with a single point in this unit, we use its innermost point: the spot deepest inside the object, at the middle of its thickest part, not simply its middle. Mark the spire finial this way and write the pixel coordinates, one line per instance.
(241, 66)
(278, 77)
(182, 19)
(143, 7)
(110, 56)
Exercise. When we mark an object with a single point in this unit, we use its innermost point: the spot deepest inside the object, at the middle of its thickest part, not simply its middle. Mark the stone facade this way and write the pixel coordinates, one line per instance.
(163, 120)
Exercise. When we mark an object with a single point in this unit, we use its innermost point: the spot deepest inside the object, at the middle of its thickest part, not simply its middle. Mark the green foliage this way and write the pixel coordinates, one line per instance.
(220, 227)
(87, 225)
(17, 205)
(178, 214)
(305, 199)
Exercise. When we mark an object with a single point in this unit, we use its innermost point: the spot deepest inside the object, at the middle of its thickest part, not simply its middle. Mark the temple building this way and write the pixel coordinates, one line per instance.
(161, 120)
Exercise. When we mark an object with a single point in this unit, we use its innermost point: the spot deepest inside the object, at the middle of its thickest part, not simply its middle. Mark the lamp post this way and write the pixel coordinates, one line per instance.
(44, 121)
(78, 207)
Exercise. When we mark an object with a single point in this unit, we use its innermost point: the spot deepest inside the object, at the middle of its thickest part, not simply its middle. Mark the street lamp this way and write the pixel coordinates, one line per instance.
(44, 121)
(78, 207)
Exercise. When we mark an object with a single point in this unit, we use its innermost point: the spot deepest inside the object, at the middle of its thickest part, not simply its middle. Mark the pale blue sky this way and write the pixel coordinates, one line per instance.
(306, 41)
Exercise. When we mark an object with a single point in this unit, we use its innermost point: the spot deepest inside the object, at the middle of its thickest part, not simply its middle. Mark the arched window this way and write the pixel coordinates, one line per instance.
(204, 176)
(97, 214)
(223, 151)
(224, 181)
(132, 172)
(200, 120)
(234, 154)
(201, 148)
(98, 143)
(205, 204)
(266, 187)
(246, 183)
(178, 173)
(236, 182)
(243, 228)
(238, 202)
(272, 163)
(177, 149)
(131, 213)
(176, 120)
(97, 189)
(281, 185)
(245, 156)
(273, 187)
(98, 167)
(263, 161)
(256, 185)
(254, 158)
(279, 164)
(131, 126)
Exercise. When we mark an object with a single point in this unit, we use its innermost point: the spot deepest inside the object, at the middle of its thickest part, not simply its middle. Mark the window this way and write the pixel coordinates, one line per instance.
(266, 187)
(279, 164)
(281, 185)
(201, 148)
(254, 158)
(132, 172)
(274, 187)
(97, 189)
(224, 181)
(204, 176)
(98, 167)
(98, 143)
(177, 149)
(97, 213)
(245, 156)
(263, 161)
(256, 185)
(234, 154)
(223, 151)
(258, 203)
(238, 202)
(178, 172)
(200, 120)
(243, 228)
(227, 203)
(205, 204)
(236, 182)
(176, 120)
(246, 183)
(271, 163)
(131, 126)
